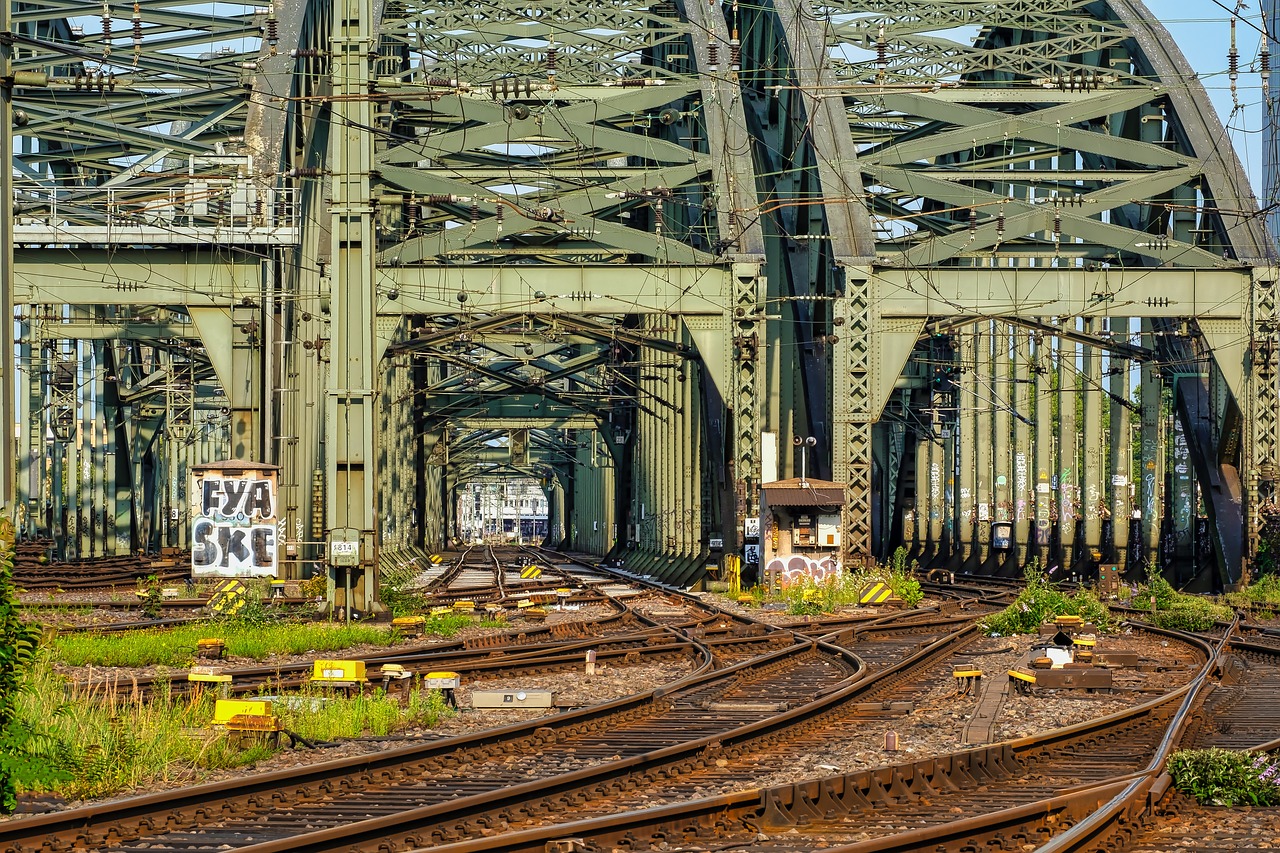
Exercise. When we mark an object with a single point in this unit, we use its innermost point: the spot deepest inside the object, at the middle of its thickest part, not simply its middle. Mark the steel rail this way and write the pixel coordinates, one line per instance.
(383, 830)
(821, 800)
(142, 811)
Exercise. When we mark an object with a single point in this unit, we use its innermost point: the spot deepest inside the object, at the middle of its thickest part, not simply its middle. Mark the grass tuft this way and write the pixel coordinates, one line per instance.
(176, 647)
(1040, 601)
(109, 740)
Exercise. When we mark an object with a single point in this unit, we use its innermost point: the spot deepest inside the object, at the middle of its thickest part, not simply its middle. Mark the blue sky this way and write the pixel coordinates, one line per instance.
(1203, 32)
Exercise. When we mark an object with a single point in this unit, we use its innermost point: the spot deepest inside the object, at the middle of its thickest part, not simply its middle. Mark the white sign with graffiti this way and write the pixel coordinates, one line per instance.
(797, 568)
(233, 523)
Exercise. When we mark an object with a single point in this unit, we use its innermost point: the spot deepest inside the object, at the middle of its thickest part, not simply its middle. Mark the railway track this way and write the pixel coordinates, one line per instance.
(97, 573)
(565, 753)
(1018, 794)
(1241, 713)
(760, 697)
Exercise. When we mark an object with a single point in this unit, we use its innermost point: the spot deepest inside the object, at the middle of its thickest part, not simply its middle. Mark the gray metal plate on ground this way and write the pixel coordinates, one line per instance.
(511, 698)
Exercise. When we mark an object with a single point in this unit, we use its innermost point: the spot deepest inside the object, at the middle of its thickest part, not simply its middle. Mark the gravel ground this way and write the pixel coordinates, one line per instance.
(1244, 828)
(936, 724)
(932, 728)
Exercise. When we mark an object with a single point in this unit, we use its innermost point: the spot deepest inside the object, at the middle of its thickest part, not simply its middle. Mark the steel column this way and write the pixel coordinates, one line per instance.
(351, 386)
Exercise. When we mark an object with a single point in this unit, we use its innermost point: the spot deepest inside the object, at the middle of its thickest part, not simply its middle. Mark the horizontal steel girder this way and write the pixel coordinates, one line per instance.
(162, 277)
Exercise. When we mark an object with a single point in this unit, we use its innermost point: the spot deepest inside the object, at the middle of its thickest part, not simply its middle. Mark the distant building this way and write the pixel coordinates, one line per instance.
(502, 511)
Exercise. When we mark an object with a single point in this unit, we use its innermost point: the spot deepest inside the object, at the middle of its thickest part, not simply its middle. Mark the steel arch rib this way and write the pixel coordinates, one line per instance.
(1205, 133)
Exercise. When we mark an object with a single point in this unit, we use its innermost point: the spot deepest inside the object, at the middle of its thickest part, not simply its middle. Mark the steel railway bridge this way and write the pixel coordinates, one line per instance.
(996, 256)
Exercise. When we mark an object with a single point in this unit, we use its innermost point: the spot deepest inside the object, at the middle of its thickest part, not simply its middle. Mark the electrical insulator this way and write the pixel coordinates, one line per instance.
(713, 55)
(498, 214)
(106, 29)
(1264, 61)
(1000, 226)
(882, 55)
(735, 54)
(137, 33)
(552, 55)
(273, 29)
(973, 219)
(1057, 230)
(475, 214)
(657, 218)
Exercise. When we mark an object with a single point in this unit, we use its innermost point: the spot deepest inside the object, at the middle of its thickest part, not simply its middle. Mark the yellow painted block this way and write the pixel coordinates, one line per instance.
(967, 673)
(210, 641)
(464, 606)
(523, 603)
(225, 709)
(440, 611)
(409, 624)
(254, 723)
(338, 670)
(442, 680)
(1022, 676)
(210, 674)
(1087, 642)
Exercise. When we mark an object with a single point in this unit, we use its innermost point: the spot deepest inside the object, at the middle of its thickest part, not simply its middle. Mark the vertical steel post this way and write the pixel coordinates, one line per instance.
(1093, 488)
(89, 467)
(1261, 445)
(936, 478)
(1002, 402)
(1068, 473)
(1023, 377)
(1121, 450)
(920, 515)
(983, 436)
(1042, 359)
(1151, 475)
(966, 429)
(350, 392)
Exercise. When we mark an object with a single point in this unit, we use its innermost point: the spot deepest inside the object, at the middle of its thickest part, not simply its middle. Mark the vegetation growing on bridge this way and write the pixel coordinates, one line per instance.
(21, 763)
(1040, 601)
(1262, 596)
(807, 596)
(115, 740)
(1226, 777)
(1177, 611)
(244, 638)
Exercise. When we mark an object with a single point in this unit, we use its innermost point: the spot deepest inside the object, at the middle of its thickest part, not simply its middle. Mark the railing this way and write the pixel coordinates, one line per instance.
(222, 210)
